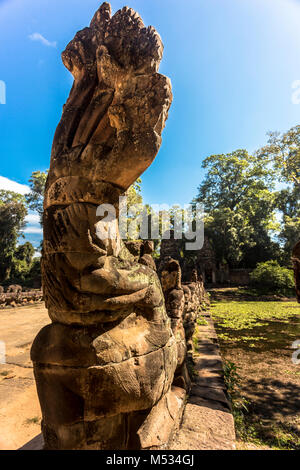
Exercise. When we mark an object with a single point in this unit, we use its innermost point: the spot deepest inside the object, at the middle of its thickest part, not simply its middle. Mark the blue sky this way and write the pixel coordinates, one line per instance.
(232, 64)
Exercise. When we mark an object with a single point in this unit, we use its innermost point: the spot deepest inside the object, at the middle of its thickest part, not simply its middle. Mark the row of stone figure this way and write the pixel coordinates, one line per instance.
(184, 301)
(120, 385)
(183, 304)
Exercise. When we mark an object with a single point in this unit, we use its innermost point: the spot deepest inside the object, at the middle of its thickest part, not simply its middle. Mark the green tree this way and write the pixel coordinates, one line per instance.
(270, 277)
(25, 252)
(288, 203)
(289, 236)
(134, 193)
(282, 154)
(240, 208)
(34, 276)
(230, 179)
(22, 262)
(12, 220)
(230, 234)
(35, 198)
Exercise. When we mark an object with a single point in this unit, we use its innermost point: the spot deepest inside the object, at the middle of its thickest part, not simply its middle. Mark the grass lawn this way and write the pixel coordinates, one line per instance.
(255, 339)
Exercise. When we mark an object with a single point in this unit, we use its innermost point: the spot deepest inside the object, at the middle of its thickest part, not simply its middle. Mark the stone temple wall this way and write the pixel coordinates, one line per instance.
(111, 368)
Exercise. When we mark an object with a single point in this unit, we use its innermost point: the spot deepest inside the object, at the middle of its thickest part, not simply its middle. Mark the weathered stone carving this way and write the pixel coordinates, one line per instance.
(170, 247)
(193, 294)
(183, 304)
(175, 302)
(105, 366)
(14, 288)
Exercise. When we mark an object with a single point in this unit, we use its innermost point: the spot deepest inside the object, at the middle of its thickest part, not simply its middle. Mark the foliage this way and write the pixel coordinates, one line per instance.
(230, 233)
(17, 263)
(12, 221)
(25, 252)
(271, 277)
(230, 179)
(289, 236)
(282, 153)
(201, 321)
(240, 208)
(288, 202)
(34, 277)
(22, 264)
(164, 220)
(134, 193)
(239, 404)
(35, 198)
(232, 381)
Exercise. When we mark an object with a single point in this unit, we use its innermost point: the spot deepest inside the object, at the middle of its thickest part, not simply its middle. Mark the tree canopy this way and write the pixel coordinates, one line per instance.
(35, 198)
(239, 204)
(12, 220)
(282, 154)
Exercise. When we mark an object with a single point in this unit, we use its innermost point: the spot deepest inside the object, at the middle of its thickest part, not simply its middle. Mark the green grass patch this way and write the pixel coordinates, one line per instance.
(247, 315)
(201, 321)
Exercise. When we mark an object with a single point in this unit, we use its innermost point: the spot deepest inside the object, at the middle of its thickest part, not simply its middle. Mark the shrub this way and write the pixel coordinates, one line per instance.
(270, 277)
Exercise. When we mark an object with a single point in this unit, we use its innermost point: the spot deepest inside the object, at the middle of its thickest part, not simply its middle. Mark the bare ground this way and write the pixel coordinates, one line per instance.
(19, 407)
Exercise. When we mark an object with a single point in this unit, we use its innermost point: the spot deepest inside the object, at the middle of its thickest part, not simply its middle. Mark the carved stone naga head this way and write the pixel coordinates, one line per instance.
(109, 134)
(111, 126)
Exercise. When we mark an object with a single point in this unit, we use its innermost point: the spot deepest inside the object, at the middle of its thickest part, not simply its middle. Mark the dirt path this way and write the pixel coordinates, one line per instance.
(207, 422)
(19, 407)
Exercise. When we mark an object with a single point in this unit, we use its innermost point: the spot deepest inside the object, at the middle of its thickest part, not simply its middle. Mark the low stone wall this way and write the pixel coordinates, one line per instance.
(239, 276)
(184, 302)
(20, 299)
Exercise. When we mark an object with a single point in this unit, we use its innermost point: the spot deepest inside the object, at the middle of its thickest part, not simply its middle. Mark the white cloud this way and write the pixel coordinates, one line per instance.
(31, 230)
(39, 37)
(9, 185)
(33, 219)
(33, 224)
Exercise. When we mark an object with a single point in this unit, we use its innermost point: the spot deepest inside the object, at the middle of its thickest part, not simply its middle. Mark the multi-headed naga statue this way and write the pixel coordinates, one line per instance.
(108, 358)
